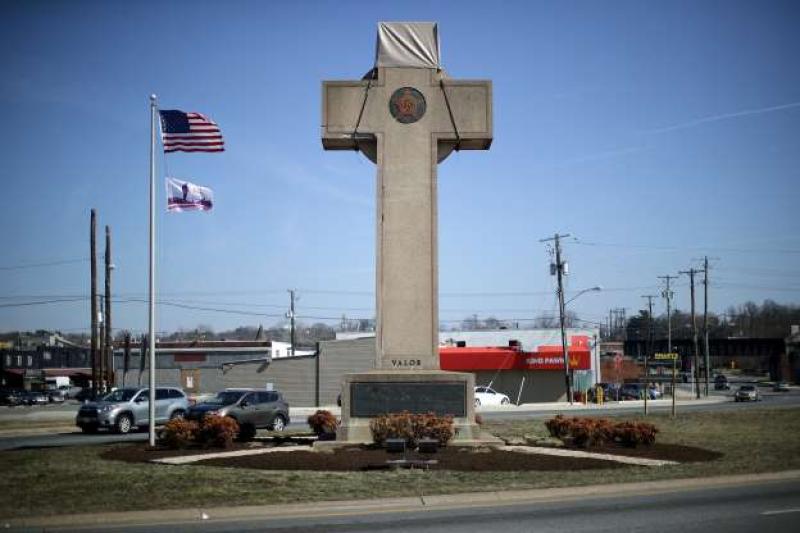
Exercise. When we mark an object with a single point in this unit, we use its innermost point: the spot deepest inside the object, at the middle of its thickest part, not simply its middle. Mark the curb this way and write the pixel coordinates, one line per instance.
(323, 509)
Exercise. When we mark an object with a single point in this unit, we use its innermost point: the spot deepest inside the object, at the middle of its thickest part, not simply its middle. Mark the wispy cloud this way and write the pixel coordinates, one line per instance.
(599, 156)
(724, 116)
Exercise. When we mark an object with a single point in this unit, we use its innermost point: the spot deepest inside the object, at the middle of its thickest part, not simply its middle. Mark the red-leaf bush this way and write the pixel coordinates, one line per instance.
(589, 432)
(559, 426)
(323, 422)
(218, 431)
(634, 433)
(412, 428)
(436, 427)
(178, 433)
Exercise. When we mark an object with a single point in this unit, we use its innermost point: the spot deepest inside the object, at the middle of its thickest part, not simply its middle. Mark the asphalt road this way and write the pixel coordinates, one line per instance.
(768, 507)
(769, 399)
(75, 438)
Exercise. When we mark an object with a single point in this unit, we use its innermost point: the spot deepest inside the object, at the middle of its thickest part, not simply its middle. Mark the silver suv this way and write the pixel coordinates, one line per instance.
(126, 409)
(251, 408)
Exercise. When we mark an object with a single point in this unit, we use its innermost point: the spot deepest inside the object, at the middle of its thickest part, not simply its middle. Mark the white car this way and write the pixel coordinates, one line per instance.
(488, 396)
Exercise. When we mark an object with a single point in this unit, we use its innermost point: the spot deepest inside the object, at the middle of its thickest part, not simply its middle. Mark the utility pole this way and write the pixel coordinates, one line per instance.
(108, 355)
(624, 324)
(707, 356)
(667, 295)
(691, 272)
(558, 270)
(93, 305)
(649, 352)
(290, 315)
(101, 345)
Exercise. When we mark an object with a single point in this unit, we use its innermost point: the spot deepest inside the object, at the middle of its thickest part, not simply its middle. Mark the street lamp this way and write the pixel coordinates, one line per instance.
(567, 374)
(584, 291)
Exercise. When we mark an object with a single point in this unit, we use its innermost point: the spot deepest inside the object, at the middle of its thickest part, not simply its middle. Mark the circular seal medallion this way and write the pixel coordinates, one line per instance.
(407, 105)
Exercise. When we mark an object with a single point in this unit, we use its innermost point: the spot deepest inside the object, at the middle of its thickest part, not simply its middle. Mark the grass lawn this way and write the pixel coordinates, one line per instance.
(76, 480)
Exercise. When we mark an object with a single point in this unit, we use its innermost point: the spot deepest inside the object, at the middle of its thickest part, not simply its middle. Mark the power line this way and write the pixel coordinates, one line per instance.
(25, 266)
(668, 248)
(44, 302)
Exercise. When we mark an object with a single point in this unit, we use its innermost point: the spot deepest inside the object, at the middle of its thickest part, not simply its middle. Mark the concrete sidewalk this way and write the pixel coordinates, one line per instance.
(187, 516)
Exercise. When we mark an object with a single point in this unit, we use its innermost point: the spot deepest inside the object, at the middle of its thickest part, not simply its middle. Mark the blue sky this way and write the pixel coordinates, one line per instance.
(653, 132)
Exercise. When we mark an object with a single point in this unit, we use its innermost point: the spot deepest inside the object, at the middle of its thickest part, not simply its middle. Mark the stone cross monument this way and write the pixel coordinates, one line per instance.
(406, 116)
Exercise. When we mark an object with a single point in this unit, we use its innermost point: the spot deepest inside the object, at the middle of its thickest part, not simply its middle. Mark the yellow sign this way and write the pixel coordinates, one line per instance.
(668, 356)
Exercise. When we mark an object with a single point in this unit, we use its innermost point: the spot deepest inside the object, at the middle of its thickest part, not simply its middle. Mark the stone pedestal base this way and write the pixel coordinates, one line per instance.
(370, 394)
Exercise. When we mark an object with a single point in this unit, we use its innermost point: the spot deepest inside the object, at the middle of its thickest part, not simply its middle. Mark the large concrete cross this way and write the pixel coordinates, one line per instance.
(407, 120)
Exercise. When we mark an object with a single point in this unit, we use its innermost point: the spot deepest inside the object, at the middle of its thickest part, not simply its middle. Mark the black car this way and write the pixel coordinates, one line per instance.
(631, 391)
(721, 383)
(36, 398)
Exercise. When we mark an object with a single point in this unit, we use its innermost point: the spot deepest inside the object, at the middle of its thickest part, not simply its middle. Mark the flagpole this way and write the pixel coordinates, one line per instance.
(152, 276)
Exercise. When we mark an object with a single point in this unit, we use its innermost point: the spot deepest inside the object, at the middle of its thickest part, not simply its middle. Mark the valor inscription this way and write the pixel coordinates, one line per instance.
(407, 105)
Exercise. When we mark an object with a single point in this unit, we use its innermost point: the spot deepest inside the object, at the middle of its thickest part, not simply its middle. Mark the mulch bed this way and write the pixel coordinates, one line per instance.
(463, 459)
(668, 452)
(457, 458)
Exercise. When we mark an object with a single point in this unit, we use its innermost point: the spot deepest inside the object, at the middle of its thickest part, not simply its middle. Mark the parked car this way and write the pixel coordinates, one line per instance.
(125, 409)
(781, 386)
(12, 397)
(70, 392)
(252, 408)
(721, 383)
(631, 391)
(56, 396)
(36, 398)
(489, 396)
(86, 395)
(747, 393)
(636, 391)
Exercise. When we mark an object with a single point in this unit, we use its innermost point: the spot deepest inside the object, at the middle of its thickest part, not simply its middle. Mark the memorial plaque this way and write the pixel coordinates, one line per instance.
(379, 398)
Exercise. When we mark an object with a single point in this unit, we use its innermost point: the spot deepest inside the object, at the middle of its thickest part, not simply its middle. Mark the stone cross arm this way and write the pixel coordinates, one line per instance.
(458, 113)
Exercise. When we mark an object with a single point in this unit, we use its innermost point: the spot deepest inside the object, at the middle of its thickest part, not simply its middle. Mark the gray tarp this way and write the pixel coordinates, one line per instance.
(407, 44)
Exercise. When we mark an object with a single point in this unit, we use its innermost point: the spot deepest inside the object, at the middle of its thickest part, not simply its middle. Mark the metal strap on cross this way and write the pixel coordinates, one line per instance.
(370, 76)
(452, 119)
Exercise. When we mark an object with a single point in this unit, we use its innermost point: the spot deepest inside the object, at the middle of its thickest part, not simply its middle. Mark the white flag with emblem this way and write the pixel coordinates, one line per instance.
(186, 196)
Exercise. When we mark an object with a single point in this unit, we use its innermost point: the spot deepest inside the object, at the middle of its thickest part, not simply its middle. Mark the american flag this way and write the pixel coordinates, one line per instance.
(189, 132)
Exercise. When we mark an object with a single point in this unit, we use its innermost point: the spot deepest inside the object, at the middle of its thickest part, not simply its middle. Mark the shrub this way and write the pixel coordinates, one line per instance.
(392, 426)
(323, 422)
(178, 433)
(218, 431)
(412, 428)
(559, 426)
(634, 433)
(588, 432)
(435, 427)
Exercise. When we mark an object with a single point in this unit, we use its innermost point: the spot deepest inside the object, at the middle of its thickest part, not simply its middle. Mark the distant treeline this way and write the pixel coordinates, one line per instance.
(770, 319)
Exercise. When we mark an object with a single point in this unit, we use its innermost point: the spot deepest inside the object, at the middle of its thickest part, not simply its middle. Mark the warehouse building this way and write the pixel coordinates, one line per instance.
(525, 365)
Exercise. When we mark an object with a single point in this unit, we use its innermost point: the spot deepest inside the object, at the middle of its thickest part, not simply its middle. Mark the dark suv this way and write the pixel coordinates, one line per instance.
(252, 408)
